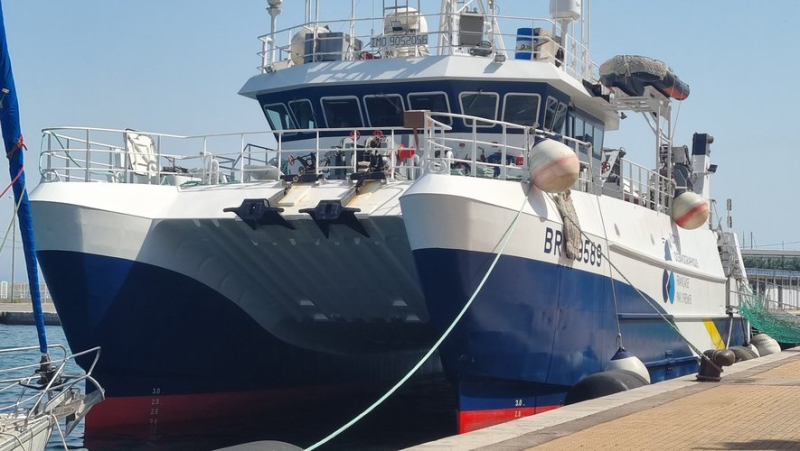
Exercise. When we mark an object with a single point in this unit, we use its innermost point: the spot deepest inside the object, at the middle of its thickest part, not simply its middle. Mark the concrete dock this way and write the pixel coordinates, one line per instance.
(756, 406)
(21, 313)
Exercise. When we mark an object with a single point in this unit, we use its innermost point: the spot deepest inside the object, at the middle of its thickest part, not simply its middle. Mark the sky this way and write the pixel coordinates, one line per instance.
(175, 66)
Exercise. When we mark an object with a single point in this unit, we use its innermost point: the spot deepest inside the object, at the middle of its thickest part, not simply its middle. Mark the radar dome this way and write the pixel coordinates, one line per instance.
(565, 9)
(404, 20)
(298, 45)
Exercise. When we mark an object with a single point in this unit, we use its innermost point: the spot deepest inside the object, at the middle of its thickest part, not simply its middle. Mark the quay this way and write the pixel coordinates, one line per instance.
(21, 313)
(755, 406)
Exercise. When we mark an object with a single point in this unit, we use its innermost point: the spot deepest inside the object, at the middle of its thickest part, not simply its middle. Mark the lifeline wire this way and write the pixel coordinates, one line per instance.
(463, 311)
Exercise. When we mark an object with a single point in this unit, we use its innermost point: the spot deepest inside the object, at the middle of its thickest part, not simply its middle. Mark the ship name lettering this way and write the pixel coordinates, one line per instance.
(589, 252)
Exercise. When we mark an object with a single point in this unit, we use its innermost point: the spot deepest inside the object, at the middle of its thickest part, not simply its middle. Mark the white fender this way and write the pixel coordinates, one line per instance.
(624, 360)
(765, 344)
(690, 210)
(553, 166)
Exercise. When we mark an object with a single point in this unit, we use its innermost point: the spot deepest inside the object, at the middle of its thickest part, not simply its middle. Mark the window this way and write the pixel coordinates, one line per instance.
(303, 114)
(481, 105)
(598, 141)
(385, 110)
(555, 115)
(435, 102)
(577, 131)
(278, 117)
(522, 109)
(342, 112)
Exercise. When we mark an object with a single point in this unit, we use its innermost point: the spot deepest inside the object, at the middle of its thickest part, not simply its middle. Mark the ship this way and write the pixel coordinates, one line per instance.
(317, 262)
(543, 279)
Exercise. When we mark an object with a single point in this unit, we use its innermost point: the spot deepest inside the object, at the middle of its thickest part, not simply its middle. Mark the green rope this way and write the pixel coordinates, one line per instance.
(438, 343)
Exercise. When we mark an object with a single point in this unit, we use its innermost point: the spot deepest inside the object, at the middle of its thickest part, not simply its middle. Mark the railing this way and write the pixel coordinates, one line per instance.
(489, 149)
(465, 156)
(362, 38)
(36, 390)
(639, 185)
(460, 154)
(127, 156)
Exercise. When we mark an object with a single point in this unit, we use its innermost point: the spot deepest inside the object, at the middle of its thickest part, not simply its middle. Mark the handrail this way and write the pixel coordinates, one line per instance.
(27, 407)
(488, 149)
(571, 56)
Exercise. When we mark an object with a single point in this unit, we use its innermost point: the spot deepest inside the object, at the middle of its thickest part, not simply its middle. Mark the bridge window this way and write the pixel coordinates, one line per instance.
(303, 114)
(598, 141)
(278, 117)
(555, 115)
(435, 102)
(480, 104)
(385, 110)
(342, 112)
(522, 109)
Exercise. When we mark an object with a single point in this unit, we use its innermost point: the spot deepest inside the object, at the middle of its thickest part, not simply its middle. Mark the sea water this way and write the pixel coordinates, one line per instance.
(413, 415)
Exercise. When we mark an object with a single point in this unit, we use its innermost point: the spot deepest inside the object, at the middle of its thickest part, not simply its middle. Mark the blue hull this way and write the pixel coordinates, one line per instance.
(165, 334)
(536, 328)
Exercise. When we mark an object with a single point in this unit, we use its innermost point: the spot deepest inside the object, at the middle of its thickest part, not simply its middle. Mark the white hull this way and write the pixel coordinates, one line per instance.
(273, 273)
(473, 215)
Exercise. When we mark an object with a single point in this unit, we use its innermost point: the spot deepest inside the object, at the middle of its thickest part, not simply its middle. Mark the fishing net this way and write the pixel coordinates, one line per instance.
(777, 323)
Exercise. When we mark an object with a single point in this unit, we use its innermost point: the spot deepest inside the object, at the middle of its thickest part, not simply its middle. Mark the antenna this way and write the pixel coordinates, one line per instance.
(274, 9)
(729, 205)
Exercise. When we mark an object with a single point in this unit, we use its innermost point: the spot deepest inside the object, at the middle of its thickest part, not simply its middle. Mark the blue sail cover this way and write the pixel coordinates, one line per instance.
(12, 138)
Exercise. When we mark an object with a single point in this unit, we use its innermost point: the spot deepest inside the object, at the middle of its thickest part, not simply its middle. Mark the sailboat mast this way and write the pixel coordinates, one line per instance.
(14, 144)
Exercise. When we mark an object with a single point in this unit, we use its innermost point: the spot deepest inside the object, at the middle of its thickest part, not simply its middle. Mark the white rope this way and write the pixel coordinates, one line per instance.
(438, 343)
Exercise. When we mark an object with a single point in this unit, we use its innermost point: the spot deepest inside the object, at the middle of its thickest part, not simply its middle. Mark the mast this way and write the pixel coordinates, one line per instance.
(274, 9)
(12, 138)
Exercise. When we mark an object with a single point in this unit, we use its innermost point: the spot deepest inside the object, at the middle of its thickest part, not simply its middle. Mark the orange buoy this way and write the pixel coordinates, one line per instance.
(553, 166)
(690, 210)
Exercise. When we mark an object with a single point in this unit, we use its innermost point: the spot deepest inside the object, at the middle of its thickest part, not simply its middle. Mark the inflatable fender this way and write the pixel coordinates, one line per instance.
(624, 360)
(743, 353)
(553, 166)
(765, 344)
(690, 210)
(603, 384)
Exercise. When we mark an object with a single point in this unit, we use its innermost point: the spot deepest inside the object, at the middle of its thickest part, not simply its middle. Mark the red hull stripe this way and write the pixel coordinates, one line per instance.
(164, 409)
(478, 419)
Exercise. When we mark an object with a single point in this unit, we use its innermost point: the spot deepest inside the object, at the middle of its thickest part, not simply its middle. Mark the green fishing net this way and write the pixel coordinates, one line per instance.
(778, 324)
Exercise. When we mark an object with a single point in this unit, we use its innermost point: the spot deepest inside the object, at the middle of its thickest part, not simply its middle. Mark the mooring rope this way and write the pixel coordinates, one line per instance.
(441, 339)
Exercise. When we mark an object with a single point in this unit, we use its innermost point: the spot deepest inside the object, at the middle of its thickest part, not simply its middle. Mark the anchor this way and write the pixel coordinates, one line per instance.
(255, 212)
(329, 212)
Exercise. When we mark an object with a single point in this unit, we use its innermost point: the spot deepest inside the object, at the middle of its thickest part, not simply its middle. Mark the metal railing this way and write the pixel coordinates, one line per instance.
(36, 391)
(82, 154)
(465, 156)
(489, 149)
(362, 38)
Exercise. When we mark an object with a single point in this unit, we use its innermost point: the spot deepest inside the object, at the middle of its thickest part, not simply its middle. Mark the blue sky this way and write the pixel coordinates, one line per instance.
(175, 66)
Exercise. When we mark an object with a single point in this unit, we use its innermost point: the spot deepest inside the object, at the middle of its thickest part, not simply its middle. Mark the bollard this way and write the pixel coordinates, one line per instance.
(720, 358)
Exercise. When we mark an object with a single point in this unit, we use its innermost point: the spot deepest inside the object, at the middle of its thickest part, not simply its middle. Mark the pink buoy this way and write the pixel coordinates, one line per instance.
(690, 210)
(553, 166)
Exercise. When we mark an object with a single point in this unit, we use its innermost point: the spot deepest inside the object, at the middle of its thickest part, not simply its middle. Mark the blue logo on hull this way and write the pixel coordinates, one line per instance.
(668, 279)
